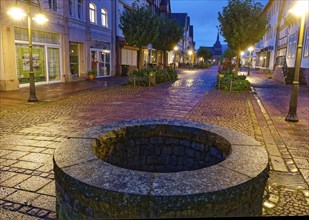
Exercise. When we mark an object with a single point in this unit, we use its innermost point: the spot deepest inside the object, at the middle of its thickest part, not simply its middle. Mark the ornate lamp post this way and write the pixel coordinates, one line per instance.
(190, 56)
(175, 54)
(250, 49)
(241, 54)
(18, 13)
(300, 9)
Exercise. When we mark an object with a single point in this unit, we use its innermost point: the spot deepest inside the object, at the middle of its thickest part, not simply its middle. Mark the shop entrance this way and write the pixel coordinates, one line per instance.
(100, 61)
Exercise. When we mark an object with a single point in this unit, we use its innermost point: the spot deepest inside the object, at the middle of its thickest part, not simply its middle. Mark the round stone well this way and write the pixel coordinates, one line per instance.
(159, 168)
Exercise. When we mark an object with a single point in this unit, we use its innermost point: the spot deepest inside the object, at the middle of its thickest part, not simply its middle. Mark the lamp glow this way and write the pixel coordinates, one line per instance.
(40, 18)
(16, 13)
(190, 52)
(176, 48)
(300, 8)
(250, 49)
(242, 53)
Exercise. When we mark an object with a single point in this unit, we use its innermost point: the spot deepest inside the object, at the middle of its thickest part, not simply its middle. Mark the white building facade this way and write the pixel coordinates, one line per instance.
(278, 47)
(77, 37)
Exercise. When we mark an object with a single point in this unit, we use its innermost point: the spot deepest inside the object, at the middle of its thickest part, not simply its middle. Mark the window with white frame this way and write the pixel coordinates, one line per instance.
(52, 4)
(292, 46)
(80, 9)
(92, 13)
(104, 17)
(71, 8)
(306, 48)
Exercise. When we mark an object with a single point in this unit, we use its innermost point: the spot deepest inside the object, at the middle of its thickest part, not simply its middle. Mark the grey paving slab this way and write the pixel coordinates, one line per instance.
(37, 158)
(33, 183)
(22, 197)
(13, 181)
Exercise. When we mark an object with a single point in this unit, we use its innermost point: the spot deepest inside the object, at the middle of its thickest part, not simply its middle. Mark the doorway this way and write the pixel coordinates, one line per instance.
(100, 61)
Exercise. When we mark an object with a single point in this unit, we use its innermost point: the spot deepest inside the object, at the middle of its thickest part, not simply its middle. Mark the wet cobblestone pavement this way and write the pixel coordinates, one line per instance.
(30, 133)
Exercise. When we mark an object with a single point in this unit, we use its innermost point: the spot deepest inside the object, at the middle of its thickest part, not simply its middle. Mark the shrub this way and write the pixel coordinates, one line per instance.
(239, 83)
(162, 75)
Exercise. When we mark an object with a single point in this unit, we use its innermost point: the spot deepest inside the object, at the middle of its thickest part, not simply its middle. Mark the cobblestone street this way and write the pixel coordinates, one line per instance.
(31, 132)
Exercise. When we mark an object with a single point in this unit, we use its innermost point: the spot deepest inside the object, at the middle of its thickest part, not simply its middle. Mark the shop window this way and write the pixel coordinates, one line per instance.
(52, 5)
(92, 13)
(21, 34)
(79, 9)
(128, 57)
(306, 48)
(104, 17)
(23, 63)
(74, 59)
(53, 62)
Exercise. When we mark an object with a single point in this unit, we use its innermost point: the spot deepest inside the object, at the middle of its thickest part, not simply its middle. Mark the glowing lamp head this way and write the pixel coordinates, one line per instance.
(250, 49)
(40, 18)
(176, 48)
(16, 13)
(190, 52)
(242, 53)
(300, 8)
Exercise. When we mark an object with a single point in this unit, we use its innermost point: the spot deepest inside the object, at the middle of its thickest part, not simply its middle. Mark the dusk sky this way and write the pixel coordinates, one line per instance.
(204, 18)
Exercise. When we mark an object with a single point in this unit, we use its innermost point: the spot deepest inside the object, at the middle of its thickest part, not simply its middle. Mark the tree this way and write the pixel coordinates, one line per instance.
(229, 54)
(170, 32)
(204, 52)
(140, 27)
(243, 23)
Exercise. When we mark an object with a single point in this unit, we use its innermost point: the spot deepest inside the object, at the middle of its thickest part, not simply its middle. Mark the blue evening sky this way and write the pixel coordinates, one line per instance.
(204, 17)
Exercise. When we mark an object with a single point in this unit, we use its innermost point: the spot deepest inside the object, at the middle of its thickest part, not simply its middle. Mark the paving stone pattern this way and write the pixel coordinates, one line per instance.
(31, 132)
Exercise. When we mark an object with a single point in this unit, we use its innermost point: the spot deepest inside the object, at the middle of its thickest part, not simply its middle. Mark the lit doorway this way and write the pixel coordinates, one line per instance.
(100, 61)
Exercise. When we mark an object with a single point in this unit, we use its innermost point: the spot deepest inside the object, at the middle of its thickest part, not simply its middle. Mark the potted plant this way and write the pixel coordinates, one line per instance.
(92, 74)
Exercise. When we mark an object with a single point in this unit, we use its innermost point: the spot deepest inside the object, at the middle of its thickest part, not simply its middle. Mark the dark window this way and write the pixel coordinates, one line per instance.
(52, 5)
(80, 9)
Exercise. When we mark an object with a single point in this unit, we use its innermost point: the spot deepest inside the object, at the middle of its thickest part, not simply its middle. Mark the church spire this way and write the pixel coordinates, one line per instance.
(218, 39)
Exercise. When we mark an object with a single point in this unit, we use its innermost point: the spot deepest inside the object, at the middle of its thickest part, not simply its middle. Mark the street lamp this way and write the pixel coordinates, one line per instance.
(175, 53)
(241, 54)
(18, 14)
(190, 54)
(300, 9)
(250, 49)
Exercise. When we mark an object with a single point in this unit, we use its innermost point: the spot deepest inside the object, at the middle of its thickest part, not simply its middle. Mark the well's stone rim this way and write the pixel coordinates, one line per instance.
(158, 184)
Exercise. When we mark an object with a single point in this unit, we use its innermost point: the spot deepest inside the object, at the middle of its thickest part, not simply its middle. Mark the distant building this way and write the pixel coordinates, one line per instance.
(186, 44)
(216, 49)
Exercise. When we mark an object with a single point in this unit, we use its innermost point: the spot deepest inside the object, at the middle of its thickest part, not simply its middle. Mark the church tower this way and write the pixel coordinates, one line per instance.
(217, 46)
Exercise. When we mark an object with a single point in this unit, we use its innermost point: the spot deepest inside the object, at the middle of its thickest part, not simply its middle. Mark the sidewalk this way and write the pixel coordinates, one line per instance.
(286, 142)
(30, 132)
(19, 98)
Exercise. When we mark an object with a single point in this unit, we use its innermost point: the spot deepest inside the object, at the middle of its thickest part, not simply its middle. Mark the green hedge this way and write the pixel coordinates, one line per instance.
(161, 75)
(239, 83)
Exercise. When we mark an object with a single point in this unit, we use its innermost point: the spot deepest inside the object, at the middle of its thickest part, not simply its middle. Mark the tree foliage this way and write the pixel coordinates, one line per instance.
(242, 23)
(204, 52)
(140, 27)
(170, 32)
(229, 54)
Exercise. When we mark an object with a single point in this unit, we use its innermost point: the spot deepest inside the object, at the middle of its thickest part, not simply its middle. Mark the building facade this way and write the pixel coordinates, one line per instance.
(77, 37)
(276, 51)
(186, 46)
(80, 35)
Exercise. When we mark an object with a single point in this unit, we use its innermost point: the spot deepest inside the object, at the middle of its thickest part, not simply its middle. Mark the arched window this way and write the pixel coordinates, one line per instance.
(92, 13)
(104, 17)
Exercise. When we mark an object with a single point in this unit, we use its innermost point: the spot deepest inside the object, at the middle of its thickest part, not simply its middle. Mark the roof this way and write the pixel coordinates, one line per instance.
(191, 31)
(181, 18)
